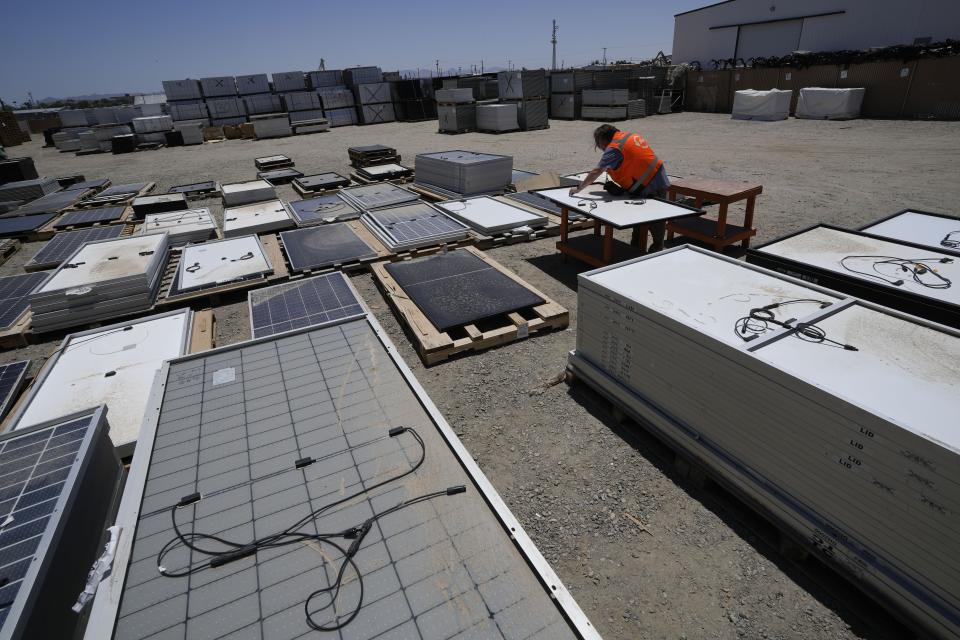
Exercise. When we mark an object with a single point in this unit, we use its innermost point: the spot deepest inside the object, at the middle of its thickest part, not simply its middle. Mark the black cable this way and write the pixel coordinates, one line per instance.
(760, 318)
(950, 242)
(916, 267)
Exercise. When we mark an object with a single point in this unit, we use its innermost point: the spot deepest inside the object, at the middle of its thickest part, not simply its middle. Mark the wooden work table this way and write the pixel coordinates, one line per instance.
(718, 233)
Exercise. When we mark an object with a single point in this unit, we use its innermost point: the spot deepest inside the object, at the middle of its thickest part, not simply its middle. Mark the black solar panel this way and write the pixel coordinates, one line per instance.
(87, 184)
(64, 244)
(324, 245)
(13, 296)
(120, 189)
(279, 176)
(23, 224)
(88, 217)
(537, 201)
(196, 188)
(321, 209)
(12, 377)
(459, 288)
(50, 203)
(321, 181)
(302, 304)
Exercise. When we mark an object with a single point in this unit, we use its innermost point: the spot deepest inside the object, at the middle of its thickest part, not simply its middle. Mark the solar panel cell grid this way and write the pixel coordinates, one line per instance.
(11, 379)
(309, 302)
(13, 296)
(24, 224)
(90, 216)
(62, 245)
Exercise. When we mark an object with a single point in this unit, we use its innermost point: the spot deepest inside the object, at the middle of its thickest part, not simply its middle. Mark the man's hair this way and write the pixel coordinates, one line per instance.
(603, 135)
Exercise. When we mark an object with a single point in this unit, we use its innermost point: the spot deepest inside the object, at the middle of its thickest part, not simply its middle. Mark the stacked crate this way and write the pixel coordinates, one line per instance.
(456, 110)
(254, 91)
(413, 100)
(605, 104)
(185, 101)
(566, 89)
(527, 89)
(374, 102)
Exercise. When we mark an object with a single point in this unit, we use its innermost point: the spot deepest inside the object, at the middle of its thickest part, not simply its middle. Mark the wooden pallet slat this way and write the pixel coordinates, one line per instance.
(203, 333)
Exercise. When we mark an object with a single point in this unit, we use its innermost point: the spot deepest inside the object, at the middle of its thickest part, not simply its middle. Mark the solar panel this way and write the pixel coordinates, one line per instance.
(12, 377)
(56, 491)
(279, 176)
(372, 196)
(196, 188)
(325, 245)
(305, 426)
(88, 217)
(416, 224)
(23, 224)
(304, 303)
(321, 182)
(13, 296)
(50, 203)
(123, 189)
(87, 184)
(62, 245)
(458, 288)
(326, 208)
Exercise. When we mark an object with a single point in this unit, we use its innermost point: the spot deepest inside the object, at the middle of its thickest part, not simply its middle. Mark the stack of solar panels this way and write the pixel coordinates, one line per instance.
(490, 216)
(636, 109)
(218, 86)
(189, 110)
(239, 193)
(306, 111)
(853, 448)
(88, 143)
(413, 100)
(464, 172)
(253, 84)
(257, 217)
(126, 143)
(105, 134)
(152, 124)
(456, 110)
(497, 118)
(483, 87)
(101, 280)
(289, 81)
(192, 225)
(26, 190)
(605, 104)
(301, 101)
(70, 118)
(527, 90)
(271, 125)
(67, 139)
(642, 88)
(191, 131)
(533, 114)
(17, 169)
(374, 102)
(325, 78)
(565, 106)
(226, 111)
(309, 122)
(261, 103)
(319, 182)
(570, 81)
(280, 176)
(182, 90)
(62, 246)
(322, 209)
(412, 226)
(611, 79)
(50, 203)
(160, 203)
(373, 196)
(391, 171)
(367, 155)
(362, 75)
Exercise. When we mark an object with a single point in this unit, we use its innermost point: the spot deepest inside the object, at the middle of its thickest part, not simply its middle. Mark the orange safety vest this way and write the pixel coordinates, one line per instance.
(640, 163)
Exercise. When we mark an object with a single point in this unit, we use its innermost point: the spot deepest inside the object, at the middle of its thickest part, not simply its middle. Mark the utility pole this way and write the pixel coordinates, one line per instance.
(481, 67)
(509, 65)
(553, 41)
(438, 68)
(604, 56)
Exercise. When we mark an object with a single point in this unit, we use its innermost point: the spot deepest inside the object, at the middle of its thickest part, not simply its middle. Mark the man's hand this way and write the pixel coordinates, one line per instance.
(574, 191)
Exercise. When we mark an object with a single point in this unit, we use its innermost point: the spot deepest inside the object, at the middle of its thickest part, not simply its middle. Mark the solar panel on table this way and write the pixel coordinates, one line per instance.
(302, 304)
(64, 244)
(13, 295)
(323, 208)
(23, 224)
(415, 222)
(36, 466)
(459, 288)
(11, 379)
(90, 216)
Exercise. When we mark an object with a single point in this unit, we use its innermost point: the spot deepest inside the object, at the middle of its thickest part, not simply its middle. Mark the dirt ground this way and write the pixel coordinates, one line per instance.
(645, 552)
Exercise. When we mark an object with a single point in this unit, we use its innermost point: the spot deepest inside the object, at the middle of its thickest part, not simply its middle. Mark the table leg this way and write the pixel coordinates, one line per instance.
(639, 237)
(721, 231)
(671, 194)
(748, 220)
(564, 223)
(596, 227)
(608, 245)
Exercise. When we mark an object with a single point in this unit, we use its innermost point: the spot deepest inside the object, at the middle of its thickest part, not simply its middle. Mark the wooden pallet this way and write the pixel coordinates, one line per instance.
(8, 247)
(165, 300)
(436, 346)
(203, 333)
(360, 264)
(18, 335)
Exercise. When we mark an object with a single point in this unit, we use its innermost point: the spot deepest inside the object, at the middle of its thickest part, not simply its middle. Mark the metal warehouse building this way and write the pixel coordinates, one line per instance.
(760, 28)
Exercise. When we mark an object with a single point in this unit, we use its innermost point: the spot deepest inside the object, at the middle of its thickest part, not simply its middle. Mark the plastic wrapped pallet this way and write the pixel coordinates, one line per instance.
(301, 101)
(454, 96)
(377, 113)
(497, 117)
(262, 103)
(152, 124)
(189, 110)
(225, 108)
(289, 81)
(565, 105)
(274, 126)
(325, 78)
(341, 117)
(253, 84)
(335, 97)
(457, 118)
(218, 86)
(606, 97)
(362, 75)
(750, 104)
(821, 103)
(182, 89)
(522, 85)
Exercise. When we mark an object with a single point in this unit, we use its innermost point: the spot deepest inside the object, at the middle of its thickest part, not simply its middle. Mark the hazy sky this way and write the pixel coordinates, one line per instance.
(63, 48)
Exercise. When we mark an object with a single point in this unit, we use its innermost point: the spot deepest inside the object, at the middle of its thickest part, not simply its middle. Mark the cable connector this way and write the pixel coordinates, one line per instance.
(190, 499)
(396, 431)
(364, 529)
(303, 462)
(897, 283)
(243, 552)
(946, 260)
(451, 491)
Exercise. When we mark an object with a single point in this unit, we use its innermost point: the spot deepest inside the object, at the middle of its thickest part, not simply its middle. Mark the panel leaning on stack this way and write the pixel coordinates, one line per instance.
(253, 84)
(289, 81)
(101, 280)
(260, 103)
(852, 447)
(464, 172)
(271, 125)
(218, 86)
(497, 118)
(182, 89)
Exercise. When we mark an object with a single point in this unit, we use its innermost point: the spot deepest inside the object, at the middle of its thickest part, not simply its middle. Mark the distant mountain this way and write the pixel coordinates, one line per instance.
(90, 96)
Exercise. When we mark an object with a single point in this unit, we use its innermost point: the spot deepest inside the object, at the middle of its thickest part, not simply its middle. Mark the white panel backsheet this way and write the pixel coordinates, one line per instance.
(619, 211)
(920, 228)
(221, 261)
(842, 252)
(114, 366)
(107, 260)
(257, 217)
(487, 215)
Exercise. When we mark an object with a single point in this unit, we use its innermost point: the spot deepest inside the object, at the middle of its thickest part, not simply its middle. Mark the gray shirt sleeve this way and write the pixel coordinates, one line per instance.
(611, 159)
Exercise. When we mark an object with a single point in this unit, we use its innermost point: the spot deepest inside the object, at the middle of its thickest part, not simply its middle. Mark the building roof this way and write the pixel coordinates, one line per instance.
(715, 4)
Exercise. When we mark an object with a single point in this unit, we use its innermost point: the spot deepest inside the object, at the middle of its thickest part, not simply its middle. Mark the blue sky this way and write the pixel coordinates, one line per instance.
(64, 48)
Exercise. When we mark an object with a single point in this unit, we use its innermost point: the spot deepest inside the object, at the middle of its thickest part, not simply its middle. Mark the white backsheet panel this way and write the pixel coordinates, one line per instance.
(220, 261)
(825, 248)
(931, 231)
(179, 223)
(903, 371)
(707, 294)
(487, 215)
(601, 179)
(108, 260)
(615, 210)
(114, 366)
(259, 216)
(237, 193)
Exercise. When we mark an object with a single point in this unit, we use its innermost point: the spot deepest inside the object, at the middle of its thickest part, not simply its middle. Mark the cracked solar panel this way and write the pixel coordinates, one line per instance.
(304, 303)
(231, 425)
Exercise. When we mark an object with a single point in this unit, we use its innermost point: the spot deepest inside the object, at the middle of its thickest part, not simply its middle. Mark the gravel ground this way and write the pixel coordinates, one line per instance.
(645, 552)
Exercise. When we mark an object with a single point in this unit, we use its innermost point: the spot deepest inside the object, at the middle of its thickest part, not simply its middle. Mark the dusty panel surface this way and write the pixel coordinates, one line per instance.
(920, 228)
(324, 245)
(304, 303)
(63, 245)
(235, 422)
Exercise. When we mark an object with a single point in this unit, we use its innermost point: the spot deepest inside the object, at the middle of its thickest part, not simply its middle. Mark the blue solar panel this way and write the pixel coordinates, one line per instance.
(90, 216)
(12, 377)
(64, 244)
(13, 296)
(21, 225)
(302, 304)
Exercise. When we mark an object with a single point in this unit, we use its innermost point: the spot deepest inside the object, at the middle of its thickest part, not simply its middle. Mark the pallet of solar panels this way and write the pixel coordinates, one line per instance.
(324, 78)
(305, 111)
(605, 104)
(826, 414)
(271, 125)
(191, 131)
(256, 83)
(456, 110)
(476, 305)
(413, 99)
(374, 103)
(528, 90)
(362, 75)
(68, 139)
(497, 222)
(286, 81)
(338, 105)
(184, 226)
(227, 110)
(150, 131)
